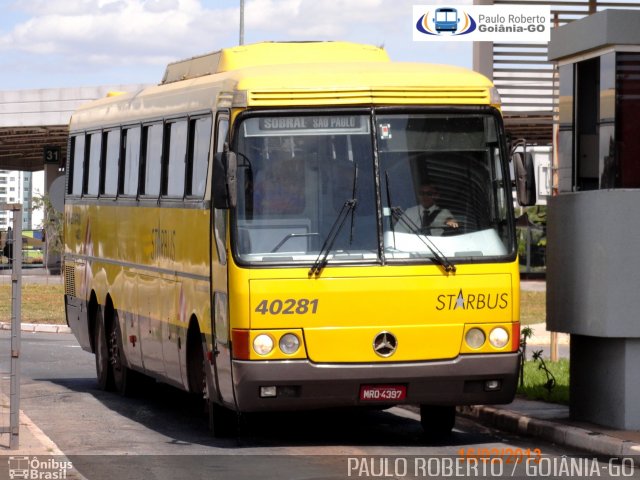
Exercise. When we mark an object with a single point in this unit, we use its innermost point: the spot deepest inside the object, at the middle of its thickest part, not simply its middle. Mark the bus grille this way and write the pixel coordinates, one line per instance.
(70, 280)
(476, 96)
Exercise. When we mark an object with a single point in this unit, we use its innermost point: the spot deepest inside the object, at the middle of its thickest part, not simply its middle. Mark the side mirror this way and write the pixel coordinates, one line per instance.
(225, 180)
(525, 178)
(232, 179)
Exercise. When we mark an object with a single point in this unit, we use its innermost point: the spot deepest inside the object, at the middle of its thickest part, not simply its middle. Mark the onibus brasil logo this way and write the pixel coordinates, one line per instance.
(446, 21)
(32, 468)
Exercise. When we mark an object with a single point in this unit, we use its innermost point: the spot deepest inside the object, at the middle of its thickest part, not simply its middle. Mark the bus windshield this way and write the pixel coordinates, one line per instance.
(395, 187)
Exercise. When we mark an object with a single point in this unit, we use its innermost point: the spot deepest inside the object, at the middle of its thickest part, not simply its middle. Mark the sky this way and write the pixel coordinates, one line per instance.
(73, 43)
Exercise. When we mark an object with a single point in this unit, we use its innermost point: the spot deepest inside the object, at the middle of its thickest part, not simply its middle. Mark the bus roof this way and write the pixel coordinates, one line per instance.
(272, 53)
(264, 75)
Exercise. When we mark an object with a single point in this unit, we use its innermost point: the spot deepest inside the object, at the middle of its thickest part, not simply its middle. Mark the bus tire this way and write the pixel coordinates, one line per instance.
(125, 380)
(104, 373)
(223, 423)
(437, 421)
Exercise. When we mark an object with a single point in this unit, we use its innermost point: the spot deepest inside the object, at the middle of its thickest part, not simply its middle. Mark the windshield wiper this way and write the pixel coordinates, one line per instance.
(321, 261)
(398, 214)
(348, 206)
(354, 195)
(438, 256)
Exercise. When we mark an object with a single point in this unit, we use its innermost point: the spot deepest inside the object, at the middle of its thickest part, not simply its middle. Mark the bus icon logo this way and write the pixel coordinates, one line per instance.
(18, 467)
(446, 21)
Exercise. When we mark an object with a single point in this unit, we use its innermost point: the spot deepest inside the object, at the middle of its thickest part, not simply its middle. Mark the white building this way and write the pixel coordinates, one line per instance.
(21, 187)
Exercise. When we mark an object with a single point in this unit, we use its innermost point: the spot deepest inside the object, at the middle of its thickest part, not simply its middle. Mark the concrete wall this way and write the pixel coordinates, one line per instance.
(593, 263)
(605, 381)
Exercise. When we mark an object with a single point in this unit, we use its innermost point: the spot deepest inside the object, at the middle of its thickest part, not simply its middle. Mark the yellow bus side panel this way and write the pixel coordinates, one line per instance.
(139, 255)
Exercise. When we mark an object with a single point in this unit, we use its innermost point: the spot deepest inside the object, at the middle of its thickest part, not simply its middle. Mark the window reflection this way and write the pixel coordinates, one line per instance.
(297, 173)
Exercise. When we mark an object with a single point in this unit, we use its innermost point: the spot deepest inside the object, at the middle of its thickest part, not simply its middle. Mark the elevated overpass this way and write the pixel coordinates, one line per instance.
(33, 122)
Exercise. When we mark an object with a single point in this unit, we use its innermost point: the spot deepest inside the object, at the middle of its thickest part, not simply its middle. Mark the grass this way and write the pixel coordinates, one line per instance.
(535, 379)
(40, 304)
(533, 308)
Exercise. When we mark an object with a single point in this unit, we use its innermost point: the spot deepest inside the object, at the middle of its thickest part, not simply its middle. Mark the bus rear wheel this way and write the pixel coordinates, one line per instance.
(104, 372)
(125, 380)
(437, 421)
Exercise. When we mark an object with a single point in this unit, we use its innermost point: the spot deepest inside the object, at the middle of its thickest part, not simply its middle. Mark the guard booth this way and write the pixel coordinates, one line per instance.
(593, 264)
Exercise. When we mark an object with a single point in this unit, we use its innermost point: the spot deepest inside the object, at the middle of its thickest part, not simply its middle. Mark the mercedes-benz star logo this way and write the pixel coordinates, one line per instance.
(385, 344)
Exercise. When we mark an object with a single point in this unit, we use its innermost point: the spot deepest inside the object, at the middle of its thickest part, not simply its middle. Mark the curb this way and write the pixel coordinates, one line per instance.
(37, 328)
(558, 433)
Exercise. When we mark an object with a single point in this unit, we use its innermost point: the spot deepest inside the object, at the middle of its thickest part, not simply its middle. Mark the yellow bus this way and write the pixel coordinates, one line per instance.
(285, 226)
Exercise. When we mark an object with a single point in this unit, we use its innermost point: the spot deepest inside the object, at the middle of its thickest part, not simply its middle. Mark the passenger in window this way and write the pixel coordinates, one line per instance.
(426, 217)
(279, 186)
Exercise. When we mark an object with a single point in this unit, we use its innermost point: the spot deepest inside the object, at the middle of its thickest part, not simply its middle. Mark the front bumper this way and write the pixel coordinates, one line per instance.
(304, 385)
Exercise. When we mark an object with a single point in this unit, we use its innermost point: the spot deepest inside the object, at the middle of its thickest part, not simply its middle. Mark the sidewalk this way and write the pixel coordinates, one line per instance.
(37, 327)
(31, 440)
(31, 276)
(542, 338)
(551, 422)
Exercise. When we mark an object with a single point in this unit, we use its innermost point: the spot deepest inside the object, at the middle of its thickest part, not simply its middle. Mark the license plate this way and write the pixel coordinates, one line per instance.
(383, 393)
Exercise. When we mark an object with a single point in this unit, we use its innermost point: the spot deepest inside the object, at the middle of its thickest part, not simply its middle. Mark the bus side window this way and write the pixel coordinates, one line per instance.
(76, 165)
(175, 161)
(109, 176)
(92, 176)
(152, 159)
(131, 165)
(198, 157)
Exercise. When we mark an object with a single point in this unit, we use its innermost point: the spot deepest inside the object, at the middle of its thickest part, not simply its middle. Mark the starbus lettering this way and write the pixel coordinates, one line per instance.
(473, 301)
(163, 244)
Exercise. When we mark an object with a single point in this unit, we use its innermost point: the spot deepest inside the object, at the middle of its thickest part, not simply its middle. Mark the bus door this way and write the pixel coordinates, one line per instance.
(219, 285)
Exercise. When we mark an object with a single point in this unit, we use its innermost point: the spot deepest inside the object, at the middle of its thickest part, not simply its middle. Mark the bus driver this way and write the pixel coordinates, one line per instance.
(428, 217)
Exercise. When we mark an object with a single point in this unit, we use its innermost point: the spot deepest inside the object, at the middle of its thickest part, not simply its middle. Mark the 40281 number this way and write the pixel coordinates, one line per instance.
(289, 306)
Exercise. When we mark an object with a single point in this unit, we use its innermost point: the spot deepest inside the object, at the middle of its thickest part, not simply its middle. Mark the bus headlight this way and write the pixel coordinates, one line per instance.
(475, 338)
(289, 343)
(263, 344)
(498, 337)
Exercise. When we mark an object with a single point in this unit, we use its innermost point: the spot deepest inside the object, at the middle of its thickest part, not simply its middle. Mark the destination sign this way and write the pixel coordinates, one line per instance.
(306, 125)
(292, 123)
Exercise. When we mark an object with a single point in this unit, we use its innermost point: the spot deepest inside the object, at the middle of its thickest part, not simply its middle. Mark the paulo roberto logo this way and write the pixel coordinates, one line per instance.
(447, 21)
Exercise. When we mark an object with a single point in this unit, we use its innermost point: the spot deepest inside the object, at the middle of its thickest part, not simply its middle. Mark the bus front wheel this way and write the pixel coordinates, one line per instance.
(223, 422)
(437, 421)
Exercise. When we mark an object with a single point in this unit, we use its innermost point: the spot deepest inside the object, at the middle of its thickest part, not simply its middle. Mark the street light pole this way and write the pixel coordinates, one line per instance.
(241, 22)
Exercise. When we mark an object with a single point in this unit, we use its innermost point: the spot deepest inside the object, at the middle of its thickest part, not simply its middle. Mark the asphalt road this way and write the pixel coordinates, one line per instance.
(163, 433)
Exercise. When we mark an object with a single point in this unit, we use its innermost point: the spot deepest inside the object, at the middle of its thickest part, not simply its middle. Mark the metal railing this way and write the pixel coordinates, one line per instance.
(16, 303)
